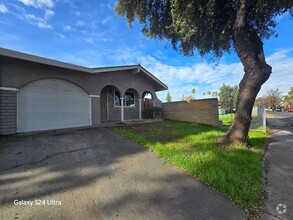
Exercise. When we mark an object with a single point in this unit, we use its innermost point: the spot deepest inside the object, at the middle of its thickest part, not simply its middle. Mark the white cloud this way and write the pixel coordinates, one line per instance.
(80, 23)
(49, 14)
(38, 3)
(18, 8)
(89, 40)
(282, 75)
(207, 76)
(68, 28)
(61, 35)
(106, 20)
(3, 9)
(36, 21)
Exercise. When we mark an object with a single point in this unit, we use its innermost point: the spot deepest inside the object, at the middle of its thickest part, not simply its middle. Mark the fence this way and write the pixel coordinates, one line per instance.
(203, 111)
(258, 121)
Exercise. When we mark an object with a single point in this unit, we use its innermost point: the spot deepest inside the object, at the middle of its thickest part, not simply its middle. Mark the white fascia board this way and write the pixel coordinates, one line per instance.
(115, 68)
(9, 89)
(153, 77)
(94, 96)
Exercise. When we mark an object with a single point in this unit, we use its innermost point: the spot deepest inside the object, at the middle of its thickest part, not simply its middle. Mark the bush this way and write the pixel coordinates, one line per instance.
(153, 112)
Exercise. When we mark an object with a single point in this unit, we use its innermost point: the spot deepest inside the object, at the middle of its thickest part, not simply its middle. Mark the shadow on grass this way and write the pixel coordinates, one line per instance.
(234, 170)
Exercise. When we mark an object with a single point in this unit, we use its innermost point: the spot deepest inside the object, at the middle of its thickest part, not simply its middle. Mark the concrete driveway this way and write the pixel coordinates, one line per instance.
(96, 174)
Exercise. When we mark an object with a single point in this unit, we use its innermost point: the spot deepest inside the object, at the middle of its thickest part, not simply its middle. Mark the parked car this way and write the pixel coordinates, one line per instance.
(288, 110)
(223, 112)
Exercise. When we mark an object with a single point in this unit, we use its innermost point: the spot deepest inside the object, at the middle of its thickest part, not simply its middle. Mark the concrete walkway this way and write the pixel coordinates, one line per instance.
(280, 175)
(96, 174)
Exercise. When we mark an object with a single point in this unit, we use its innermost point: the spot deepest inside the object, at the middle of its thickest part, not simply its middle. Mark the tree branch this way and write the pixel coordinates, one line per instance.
(241, 15)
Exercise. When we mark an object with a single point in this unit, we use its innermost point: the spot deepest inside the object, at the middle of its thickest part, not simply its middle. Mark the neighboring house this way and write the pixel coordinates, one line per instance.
(42, 94)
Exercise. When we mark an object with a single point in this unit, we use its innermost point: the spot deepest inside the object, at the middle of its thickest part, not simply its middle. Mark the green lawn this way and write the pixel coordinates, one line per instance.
(226, 119)
(233, 170)
(254, 124)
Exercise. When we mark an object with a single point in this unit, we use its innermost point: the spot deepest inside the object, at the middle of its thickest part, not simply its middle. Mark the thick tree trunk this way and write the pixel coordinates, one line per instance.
(249, 48)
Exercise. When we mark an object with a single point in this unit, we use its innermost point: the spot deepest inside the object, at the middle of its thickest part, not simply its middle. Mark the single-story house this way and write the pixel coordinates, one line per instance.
(38, 94)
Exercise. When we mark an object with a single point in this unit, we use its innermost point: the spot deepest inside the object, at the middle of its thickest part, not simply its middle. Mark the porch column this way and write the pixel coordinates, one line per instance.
(122, 109)
(139, 108)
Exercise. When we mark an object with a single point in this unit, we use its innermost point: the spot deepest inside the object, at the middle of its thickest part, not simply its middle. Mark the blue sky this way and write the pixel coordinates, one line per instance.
(88, 33)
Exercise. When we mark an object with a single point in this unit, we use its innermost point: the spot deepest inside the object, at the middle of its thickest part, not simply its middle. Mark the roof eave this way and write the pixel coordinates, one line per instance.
(51, 62)
(42, 60)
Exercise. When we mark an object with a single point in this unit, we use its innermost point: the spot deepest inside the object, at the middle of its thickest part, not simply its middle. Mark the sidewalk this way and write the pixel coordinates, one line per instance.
(279, 191)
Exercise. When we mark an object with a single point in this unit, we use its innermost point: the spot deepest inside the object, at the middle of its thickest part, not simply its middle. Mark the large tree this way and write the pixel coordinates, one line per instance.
(215, 26)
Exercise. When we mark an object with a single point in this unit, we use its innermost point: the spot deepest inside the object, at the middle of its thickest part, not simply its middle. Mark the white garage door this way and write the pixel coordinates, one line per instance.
(52, 104)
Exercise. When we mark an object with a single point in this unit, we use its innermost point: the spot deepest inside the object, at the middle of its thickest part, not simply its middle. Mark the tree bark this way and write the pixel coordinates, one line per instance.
(249, 48)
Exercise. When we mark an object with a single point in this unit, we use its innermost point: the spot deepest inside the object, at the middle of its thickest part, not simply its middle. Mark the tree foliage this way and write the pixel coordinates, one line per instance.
(203, 25)
(215, 94)
(187, 98)
(227, 95)
(273, 99)
(168, 97)
(215, 27)
(260, 101)
(193, 91)
(288, 99)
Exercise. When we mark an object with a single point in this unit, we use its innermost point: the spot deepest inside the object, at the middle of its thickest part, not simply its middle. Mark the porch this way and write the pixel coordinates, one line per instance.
(118, 105)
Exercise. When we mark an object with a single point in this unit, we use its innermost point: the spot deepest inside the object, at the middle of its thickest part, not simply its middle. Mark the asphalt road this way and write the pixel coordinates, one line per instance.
(281, 119)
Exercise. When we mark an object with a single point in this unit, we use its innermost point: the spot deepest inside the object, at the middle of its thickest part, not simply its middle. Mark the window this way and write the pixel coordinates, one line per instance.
(117, 100)
(129, 99)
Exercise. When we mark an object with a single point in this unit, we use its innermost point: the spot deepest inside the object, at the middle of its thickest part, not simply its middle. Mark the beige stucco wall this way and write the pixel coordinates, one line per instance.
(203, 111)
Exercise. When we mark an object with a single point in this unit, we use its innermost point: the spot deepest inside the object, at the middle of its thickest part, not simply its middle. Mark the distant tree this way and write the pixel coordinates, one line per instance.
(168, 97)
(188, 98)
(228, 94)
(216, 27)
(273, 98)
(259, 101)
(288, 99)
(193, 91)
(204, 94)
(209, 93)
(215, 94)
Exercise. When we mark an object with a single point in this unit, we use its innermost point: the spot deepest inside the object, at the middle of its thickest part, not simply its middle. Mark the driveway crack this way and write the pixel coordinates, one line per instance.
(46, 158)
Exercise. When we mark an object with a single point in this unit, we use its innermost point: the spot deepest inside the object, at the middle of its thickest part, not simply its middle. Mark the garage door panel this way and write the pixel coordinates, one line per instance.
(52, 104)
(35, 108)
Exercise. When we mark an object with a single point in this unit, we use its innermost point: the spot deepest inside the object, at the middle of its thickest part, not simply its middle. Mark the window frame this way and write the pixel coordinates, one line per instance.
(133, 100)
(124, 100)
(116, 106)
